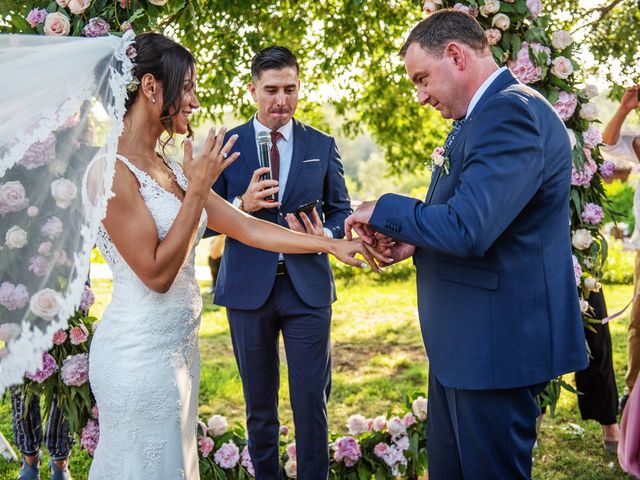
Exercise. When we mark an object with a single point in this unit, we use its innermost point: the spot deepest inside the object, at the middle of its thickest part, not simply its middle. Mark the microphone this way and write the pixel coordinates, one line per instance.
(264, 156)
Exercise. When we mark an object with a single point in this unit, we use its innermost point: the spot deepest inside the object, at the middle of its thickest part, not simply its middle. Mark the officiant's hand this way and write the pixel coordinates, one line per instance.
(311, 226)
(258, 190)
(359, 222)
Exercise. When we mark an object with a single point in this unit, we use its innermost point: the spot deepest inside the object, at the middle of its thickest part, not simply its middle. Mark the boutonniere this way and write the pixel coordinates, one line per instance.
(439, 159)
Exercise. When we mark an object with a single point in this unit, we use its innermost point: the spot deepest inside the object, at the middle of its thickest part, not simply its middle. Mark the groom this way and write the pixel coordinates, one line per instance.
(496, 289)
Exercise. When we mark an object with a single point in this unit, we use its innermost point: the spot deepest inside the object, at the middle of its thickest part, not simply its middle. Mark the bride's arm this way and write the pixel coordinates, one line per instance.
(225, 218)
(133, 229)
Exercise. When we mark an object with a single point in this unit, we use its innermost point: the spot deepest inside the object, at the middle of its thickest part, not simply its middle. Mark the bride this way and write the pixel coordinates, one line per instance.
(144, 360)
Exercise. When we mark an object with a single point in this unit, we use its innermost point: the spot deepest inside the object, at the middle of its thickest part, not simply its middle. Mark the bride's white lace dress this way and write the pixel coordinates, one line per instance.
(144, 361)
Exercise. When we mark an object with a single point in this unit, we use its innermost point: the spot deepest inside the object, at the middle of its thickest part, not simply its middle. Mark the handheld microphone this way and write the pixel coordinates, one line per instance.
(264, 156)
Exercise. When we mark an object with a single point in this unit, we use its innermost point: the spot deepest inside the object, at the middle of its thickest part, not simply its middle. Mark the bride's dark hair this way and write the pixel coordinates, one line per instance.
(168, 62)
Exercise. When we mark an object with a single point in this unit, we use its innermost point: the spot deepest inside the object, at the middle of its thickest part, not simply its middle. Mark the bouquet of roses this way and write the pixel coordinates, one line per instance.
(65, 369)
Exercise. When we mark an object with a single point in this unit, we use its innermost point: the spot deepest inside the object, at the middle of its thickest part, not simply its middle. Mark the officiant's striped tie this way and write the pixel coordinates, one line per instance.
(455, 129)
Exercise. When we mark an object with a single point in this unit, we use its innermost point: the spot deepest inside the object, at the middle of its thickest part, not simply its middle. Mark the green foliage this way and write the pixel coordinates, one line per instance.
(620, 196)
(620, 265)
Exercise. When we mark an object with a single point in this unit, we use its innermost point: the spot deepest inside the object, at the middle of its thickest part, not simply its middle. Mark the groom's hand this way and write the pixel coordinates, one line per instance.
(394, 251)
(359, 222)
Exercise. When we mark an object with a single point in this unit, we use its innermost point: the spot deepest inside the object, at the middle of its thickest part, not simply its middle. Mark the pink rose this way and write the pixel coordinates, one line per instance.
(291, 450)
(46, 304)
(562, 67)
(381, 449)
(13, 197)
(493, 36)
(78, 7)
(64, 192)
(284, 430)
(62, 3)
(79, 334)
(379, 423)
(57, 24)
(523, 67)
(409, 419)
(59, 337)
(206, 445)
(566, 105)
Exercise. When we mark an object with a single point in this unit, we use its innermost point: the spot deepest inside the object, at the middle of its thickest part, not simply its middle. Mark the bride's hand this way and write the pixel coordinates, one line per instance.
(203, 170)
(346, 251)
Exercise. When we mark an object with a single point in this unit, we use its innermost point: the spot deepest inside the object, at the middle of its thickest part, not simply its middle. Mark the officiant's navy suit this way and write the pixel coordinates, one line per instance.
(497, 294)
(261, 303)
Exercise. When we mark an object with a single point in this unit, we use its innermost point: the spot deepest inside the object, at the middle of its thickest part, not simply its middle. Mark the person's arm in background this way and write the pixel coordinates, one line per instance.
(629, 102)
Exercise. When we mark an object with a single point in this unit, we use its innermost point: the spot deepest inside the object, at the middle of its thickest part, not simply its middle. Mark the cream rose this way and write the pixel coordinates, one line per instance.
(581, 239)
(437, 156)
(291, 468)
(217, 425)
(419, 407)
(63, 191)
(489, 7)
(57, 24)
(584, 305)
(46, 304)
(562, 67)
(57, 167)
(591, 91)
(159, 3)
(500, 21)
(16, 237)
(62, 3)
(78, 7)
(561, 39)
(592, 284)
(589, 112)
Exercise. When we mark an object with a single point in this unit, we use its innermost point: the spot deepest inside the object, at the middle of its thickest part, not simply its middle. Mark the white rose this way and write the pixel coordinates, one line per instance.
(437, 156)
(500, 21)
(57, 24)
(13, 195)
(562, 67)
(62, 3)
(16, 237)
(489, 7)
(581, 239)
(57, 166)
(592, 284)
(357, 425)
(589, 112)
(561, 39)
(45, 248)
(291, 468)
(572, 138)
(159, 3)
(419, 407)
(379, 423)
(46, 304)
(591, 91)
(396, 427)
(217, 425)
(9, 331)
(78, 7)
(63, 191)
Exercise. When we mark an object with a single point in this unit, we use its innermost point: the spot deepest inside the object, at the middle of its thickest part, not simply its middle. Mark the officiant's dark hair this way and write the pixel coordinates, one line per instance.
(168, 62)
(434, 32)
(272, 58)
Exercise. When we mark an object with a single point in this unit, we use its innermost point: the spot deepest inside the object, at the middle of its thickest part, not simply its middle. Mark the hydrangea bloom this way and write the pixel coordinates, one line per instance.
(90, 436)
(36, 16)
(75, 370)
(13, 297)
(96, 27)
(592, 213)
(39, 153)
(347, 450)
(49, 367)
(228, 455)
(566, 105)
(245, 461)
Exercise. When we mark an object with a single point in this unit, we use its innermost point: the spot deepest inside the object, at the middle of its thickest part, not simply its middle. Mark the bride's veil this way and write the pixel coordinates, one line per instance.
(61, 110)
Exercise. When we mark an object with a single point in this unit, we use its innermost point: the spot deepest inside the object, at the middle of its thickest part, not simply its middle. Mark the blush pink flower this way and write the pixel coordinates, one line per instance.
(524, 68)
(39, 153)
(39, 266)
(592, 136)
(75, 370)
(13, 197)
(13, 297)
(534, 7)
(347, 450)
(36, 16)
(592, 213)
(49, 367)
(607, 169)
(52, 228)
(357, 425)
(381, 449)
(396, 427)
(90, 436)
(59, 337)
(577, 270)
(227, 455)
(566, 105)
(245, 461)
(291, 450)
(95, 411)
(79, 334)
(581, 179)
(87, 299)
(206, 445)
(409, 419)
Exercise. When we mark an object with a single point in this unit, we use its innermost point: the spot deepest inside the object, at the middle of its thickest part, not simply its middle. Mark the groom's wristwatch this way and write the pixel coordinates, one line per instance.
(238, 203)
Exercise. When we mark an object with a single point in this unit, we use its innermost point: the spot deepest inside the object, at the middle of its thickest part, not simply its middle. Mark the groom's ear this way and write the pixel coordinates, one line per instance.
(456, 54)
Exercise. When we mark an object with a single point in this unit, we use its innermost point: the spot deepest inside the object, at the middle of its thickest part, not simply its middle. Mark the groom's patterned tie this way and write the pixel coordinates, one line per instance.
(455, 129)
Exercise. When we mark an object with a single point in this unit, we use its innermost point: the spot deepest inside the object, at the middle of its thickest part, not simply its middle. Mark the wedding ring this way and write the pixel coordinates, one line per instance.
(224, 155)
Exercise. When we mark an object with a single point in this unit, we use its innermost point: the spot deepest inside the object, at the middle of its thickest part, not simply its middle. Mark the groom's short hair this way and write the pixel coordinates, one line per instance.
(434, 32)
(272, 58)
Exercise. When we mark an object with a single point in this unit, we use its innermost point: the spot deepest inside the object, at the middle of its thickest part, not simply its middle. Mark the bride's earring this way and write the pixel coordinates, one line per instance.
(153, 99)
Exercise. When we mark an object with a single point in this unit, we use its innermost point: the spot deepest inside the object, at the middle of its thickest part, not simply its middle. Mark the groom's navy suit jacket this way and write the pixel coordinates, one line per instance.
(496, 289)
(247, 274)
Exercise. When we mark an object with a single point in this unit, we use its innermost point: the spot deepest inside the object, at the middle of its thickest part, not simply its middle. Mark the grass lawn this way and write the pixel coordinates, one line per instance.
(378, 357)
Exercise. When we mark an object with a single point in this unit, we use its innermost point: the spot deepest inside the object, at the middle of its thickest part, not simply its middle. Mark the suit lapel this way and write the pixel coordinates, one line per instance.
(299, 150)
(247, 146)
(435, 176)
